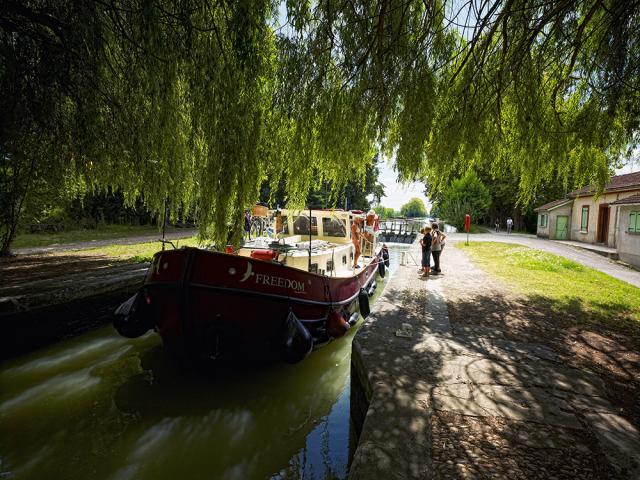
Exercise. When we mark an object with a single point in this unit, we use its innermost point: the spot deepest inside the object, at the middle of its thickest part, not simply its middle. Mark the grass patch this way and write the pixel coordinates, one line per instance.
(477, 229)
(137, 252)
(105, 232)
(582, 293)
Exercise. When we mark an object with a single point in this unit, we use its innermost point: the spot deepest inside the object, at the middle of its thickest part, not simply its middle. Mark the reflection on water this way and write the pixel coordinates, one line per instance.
(103, 407)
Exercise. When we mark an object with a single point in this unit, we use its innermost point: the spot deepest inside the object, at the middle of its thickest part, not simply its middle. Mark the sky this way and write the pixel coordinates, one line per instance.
(397, 194)
(631, 168)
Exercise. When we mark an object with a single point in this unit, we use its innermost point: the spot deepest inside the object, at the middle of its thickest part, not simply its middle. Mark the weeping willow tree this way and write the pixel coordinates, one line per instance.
(200, 101)
(546, 90)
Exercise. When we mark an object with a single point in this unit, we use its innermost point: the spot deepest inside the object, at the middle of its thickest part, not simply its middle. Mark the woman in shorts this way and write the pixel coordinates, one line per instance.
(425, 242)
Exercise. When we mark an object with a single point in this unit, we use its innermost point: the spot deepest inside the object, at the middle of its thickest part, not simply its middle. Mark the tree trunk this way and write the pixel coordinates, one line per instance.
(15, 180)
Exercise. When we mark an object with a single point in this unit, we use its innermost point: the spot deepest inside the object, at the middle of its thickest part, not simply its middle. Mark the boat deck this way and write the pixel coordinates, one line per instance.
(334, 259)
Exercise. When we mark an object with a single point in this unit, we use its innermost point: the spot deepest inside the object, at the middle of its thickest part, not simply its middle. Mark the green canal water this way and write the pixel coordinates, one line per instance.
(100, 406)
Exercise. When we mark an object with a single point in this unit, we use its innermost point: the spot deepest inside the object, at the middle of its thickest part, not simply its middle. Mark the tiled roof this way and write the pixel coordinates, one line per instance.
(550, 205)
(619, 182)
(632, 200)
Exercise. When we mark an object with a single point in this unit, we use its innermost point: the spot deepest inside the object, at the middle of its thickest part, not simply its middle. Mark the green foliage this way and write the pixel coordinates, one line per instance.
(413, 208)
(201, 102)
(355, 193)
(465, 195)
(385, 212)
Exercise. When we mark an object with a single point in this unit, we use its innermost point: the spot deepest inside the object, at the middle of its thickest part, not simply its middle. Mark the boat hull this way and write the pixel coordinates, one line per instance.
(210, 304)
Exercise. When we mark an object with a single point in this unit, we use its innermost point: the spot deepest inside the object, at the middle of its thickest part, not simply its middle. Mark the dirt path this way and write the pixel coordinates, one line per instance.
(65, 247)
(484, 310)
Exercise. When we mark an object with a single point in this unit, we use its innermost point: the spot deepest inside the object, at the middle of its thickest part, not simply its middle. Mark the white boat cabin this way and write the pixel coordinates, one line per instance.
(327, 233)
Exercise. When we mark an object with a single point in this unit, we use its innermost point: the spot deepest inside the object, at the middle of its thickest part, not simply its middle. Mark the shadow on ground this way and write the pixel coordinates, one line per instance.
(495, 386)
(27, 274)
(579, 337)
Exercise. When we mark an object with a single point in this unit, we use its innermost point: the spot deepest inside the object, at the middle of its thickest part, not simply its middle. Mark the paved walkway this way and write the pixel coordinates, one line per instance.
(599, 249)
(464, 400)
(66, 247)
(564, 249)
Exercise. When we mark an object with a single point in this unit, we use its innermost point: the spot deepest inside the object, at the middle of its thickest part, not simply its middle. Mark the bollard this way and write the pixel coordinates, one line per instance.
(402, 259)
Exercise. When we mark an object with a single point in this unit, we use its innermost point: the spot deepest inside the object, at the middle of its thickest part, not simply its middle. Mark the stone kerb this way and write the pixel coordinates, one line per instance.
(389, 382)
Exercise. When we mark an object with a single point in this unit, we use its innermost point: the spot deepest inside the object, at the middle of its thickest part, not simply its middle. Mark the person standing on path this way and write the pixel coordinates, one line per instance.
(425, 242)
(497, 224)
(436, 247)
(509, 225)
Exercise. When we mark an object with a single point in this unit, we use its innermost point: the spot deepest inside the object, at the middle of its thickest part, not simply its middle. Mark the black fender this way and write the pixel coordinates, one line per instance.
(135, 317)
(363, 302)
(385, 257)
(381, 269)
(297, 342)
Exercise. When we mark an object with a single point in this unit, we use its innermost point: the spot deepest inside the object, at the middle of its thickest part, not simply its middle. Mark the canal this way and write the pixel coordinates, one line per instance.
(104, 407)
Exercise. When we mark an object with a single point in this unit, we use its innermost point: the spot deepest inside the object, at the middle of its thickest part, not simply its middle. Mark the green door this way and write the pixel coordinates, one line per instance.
(562, 224)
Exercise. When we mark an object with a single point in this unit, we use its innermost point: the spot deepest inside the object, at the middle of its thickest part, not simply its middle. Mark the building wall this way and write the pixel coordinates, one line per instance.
(553, 217)
(542, 232)
(628, 243)
(590, 236)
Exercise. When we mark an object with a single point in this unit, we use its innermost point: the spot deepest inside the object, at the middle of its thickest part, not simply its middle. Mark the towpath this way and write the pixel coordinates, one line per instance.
(66, 247)
(49, 293)
(481, 383)
(564, 249)
(45, 276)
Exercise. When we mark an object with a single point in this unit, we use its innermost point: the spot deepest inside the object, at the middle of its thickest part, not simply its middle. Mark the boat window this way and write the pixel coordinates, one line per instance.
(329, 265)
(334, 227)
(301, 225)
(344, 259)
(313, 268)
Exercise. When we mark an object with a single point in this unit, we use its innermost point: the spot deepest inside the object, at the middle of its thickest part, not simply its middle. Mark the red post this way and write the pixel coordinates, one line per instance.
(467, 225)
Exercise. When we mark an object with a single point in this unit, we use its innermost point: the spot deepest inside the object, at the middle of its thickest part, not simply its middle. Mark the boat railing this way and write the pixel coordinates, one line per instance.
(164, 242)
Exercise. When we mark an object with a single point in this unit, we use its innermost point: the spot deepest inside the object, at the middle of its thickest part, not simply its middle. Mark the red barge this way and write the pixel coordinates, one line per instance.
(281, 295)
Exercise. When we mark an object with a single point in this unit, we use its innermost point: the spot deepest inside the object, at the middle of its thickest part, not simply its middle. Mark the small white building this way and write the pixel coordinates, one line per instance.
(554, 219)
(609, 218)
(628, 242)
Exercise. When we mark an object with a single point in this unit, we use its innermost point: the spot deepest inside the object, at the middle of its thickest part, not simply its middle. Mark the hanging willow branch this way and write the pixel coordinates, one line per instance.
(201, 101)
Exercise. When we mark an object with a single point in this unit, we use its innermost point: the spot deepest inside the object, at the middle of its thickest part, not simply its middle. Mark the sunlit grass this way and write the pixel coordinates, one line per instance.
(567, 287)
(27, 240)
(138, 252)
(478, 229)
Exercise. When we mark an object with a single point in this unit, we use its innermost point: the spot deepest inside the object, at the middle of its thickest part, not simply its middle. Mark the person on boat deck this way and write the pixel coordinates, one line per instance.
(368, 225)
(356, 238)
